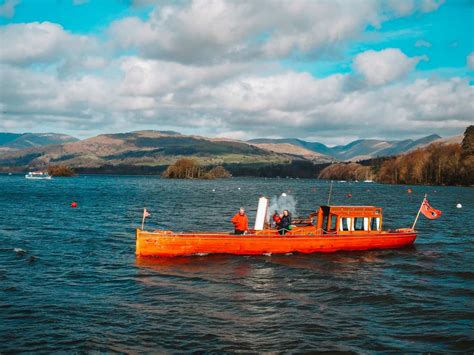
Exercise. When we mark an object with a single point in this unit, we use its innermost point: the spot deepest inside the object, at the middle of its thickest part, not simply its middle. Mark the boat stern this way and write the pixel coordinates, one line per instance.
(137, 242)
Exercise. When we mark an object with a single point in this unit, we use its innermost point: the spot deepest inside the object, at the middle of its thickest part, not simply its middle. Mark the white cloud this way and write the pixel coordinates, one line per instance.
(215, 30)
(143, 2)
(402, 7)
(430, 5)
(298, 106)
(7, 9)
(470, 60)
(207, 31)
(37, 97)
(382, 67)
(37, 42)
(422, 43)
(156, 94)
(146, 77)
(278, 93)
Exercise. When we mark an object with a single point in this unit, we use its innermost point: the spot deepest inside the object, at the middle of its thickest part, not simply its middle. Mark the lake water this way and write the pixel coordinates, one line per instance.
(78, 286)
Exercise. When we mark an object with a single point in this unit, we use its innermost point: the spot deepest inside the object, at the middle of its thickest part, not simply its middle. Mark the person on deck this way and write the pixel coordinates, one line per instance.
(241, 222)
(277, 219)
(285, 223)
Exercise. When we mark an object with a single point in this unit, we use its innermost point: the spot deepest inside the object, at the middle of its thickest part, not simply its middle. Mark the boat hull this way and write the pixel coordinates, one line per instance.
(30, 177)
(170, 245)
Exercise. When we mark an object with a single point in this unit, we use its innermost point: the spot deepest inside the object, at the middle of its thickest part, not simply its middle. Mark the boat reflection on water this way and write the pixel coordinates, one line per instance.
(258, 287)
(212, 267)
(260, 272)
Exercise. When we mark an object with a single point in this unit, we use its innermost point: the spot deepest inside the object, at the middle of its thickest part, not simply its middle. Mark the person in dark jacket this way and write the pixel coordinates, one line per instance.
(285, 222)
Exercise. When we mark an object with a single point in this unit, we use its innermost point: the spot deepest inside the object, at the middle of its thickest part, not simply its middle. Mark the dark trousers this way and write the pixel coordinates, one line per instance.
(239, 232)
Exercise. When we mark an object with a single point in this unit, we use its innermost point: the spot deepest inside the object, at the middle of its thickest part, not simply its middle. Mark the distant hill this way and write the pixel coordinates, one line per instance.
(313, 146)
(448, 140)
(141, 148)
(6, 138)
(295, 150)
(14, 141)
(356, 150)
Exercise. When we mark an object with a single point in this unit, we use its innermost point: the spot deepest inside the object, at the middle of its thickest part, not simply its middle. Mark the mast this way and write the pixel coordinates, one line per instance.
(330, 192)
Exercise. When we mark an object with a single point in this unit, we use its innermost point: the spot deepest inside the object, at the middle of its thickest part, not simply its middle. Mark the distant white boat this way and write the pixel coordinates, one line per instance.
(367, 178)
(38, 175)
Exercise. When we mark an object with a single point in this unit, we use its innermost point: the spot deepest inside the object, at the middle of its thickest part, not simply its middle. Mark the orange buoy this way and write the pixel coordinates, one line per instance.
(409, 191)
(73, 204)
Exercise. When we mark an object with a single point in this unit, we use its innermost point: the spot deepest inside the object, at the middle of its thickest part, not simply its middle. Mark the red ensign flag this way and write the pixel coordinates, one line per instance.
(428, 211)
(145, 213)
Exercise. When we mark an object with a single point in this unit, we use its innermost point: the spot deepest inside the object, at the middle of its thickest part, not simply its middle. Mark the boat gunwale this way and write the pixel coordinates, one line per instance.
(215, 235)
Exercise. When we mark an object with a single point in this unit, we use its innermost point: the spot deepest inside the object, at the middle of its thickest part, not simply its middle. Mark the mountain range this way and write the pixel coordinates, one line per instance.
(160, 148)
(357, 150)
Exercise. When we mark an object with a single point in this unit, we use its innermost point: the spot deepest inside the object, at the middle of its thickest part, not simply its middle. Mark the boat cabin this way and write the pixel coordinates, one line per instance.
(349, 219)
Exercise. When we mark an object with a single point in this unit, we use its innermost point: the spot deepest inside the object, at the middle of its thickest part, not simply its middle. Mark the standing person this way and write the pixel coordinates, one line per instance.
(241, 222)
(285, 222)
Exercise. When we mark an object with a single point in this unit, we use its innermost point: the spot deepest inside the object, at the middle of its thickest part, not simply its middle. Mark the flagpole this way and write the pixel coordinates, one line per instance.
(418, 214)
(143, 218)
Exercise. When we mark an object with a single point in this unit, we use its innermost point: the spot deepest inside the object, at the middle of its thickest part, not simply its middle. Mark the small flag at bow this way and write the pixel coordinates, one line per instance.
(145, 215)
(428, 211)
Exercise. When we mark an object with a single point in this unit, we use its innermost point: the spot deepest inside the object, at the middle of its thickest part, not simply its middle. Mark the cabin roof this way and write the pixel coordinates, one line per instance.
(354, 211)
(347, 206)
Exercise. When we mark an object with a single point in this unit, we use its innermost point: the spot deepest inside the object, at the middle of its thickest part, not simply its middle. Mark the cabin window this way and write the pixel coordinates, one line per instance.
(358, 223)
(332, 227)
(375, 224)
(345, 224)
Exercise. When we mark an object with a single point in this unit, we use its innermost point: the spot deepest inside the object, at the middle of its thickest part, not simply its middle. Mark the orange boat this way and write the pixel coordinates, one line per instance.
(332, 228)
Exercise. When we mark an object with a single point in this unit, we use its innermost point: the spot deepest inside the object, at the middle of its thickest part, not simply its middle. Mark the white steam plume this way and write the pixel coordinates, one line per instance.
(282, 202)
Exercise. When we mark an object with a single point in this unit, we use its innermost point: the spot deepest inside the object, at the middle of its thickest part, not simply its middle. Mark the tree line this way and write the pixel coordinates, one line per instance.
(349, 171)
(187, 168)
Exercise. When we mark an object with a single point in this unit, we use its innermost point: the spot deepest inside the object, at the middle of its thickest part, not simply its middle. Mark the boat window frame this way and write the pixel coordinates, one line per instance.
(378, 224)
(355, 220)
(345, 222)
(332, 218)
(325, 221)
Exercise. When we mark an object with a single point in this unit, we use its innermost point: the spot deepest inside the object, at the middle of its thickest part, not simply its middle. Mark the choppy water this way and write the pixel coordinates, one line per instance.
(78, 286)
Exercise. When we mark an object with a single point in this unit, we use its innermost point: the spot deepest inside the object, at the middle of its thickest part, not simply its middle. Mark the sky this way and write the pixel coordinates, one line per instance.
(323, 70)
